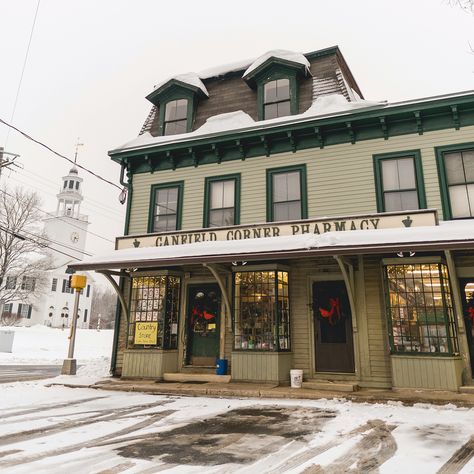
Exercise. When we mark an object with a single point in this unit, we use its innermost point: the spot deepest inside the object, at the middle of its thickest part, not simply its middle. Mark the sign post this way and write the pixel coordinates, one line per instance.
(78, 282)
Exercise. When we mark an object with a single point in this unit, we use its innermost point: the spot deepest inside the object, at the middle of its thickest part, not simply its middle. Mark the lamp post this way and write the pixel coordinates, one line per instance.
(77, 282)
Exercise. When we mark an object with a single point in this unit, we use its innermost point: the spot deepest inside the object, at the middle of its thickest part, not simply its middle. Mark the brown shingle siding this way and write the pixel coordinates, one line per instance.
(230, 94)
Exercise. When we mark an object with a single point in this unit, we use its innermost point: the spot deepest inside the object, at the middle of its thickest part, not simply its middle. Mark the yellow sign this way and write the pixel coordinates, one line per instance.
(146, 333)
(78, 282)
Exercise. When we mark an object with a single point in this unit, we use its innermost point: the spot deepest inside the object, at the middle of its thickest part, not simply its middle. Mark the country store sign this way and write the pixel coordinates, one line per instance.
(280, 229)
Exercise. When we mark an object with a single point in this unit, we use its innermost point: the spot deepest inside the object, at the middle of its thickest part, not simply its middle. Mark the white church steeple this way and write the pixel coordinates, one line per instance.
(70, 195)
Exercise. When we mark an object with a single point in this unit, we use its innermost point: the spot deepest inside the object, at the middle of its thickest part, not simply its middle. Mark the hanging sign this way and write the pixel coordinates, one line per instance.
(387, 220)
(146, 333)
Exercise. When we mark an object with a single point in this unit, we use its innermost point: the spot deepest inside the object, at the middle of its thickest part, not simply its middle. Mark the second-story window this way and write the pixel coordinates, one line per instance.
(166, 207)
(176, 117)
(221, 206)
(460, 181)
(286, 194)
(276, 99)
(399, 181)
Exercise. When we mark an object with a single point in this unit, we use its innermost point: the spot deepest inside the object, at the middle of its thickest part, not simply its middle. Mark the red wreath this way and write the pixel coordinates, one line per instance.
(334, 314)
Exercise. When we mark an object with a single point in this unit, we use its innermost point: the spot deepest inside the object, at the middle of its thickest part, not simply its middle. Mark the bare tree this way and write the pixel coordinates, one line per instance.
(466, 5)
(104, 302)
(24, 255)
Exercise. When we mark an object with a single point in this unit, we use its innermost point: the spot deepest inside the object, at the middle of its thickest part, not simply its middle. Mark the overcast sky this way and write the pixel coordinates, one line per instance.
(91, 63)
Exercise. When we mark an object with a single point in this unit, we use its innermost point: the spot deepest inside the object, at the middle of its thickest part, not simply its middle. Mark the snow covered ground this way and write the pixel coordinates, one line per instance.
(54, 429)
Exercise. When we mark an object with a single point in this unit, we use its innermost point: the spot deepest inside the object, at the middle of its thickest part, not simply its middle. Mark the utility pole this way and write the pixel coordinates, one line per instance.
(6, 162)
(78, 282)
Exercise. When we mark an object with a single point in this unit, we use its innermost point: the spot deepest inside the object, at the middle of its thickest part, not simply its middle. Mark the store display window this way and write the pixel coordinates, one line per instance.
(261, 311)
(154, 311)
(420, 309)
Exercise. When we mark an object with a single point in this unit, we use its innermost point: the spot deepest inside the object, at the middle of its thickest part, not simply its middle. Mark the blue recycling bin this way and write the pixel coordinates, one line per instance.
(221, 366)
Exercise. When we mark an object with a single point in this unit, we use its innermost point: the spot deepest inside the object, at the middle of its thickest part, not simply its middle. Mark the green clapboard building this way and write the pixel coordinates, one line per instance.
(277, 220)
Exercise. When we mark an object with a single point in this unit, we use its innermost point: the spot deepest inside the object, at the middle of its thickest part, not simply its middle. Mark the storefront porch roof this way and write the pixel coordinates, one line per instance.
(453, 235)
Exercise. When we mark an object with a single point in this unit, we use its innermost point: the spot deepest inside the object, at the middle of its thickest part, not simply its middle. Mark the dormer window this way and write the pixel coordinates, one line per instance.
(176, 117)
(177, 100)
(276, 76)
(276, 100)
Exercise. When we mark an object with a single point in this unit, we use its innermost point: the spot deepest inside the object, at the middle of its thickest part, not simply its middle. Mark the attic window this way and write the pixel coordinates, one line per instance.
(176, 117)
(276, 99)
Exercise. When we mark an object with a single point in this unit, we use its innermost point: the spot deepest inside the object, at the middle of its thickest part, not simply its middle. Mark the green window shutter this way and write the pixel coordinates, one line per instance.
(30, 307)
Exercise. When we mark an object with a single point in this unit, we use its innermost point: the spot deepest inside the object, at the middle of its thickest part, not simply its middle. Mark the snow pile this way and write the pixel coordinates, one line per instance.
(228, 121)
(45, 345)
(334, 103)
(278, 54)
(190, 78)
(216, 123)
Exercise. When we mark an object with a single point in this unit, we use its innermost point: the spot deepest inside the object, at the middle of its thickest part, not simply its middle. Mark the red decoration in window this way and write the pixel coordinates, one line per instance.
(334, 313)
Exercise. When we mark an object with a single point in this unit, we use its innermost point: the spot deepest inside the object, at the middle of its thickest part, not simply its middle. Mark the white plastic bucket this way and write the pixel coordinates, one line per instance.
(296, 378)
(6, 340)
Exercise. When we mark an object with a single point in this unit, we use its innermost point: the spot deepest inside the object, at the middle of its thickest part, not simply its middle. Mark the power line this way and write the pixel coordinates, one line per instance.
(55, 242)
(87, 170)
(25, 237)
(49, 214)
(23, 68)
(55, 184)
(100, 212)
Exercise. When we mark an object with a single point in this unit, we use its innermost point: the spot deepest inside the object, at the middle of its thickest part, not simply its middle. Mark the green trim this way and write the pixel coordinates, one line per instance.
(155, 97)
(278, 73)
(374, 123)
(322, 52)
(274, 64)
(176, 94)
(179, 215)
(420, 185)
(303, 189)
(118, 314)
(129, 203)
(207, 188)
(443, 180)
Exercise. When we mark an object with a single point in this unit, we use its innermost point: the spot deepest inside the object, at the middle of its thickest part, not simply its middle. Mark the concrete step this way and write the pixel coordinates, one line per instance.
(467, 389)
(184, 377)
(331, 386)
(192, 369)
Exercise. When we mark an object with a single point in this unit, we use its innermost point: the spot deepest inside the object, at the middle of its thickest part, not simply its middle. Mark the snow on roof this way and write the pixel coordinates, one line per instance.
(333, 103)
(224, 69)
(453, 231)
(190, 78)
(239, 120)
(279, 54)
(228, 121)
(214, 124)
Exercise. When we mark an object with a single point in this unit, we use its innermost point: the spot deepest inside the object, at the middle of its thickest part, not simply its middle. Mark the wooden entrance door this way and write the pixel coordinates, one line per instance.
(203, 323)
(334, 349)
(467, 295)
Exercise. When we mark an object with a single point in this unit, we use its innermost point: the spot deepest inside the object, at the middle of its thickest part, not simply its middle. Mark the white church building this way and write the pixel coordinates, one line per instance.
(67, 229)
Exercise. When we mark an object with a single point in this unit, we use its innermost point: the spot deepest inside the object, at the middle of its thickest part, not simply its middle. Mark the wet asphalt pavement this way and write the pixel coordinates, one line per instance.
(22, 373)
